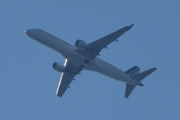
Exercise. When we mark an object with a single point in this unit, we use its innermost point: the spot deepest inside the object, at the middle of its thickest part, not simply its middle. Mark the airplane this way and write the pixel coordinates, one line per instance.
(84, 56)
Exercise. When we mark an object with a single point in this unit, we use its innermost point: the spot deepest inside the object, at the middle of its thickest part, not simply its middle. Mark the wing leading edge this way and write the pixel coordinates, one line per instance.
(67, 77)
(95, 47)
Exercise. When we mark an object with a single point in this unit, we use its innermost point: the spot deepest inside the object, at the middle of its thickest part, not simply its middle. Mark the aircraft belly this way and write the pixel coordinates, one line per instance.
(69, 52)
(100, 66)
(110, 71)
(79, 60)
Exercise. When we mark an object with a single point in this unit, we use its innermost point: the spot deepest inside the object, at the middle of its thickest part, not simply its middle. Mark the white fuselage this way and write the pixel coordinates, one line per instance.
(69, 52)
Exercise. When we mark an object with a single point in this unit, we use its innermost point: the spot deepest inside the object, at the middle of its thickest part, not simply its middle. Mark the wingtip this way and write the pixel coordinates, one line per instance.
(154, 69)
(129, 27)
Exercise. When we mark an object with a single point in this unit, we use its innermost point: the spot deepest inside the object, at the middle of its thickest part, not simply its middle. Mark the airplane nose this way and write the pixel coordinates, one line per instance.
(30, 32)
(27, 32)
(34, 33)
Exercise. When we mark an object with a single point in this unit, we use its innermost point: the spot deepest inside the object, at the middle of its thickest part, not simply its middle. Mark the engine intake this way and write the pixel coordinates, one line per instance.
(58, 67)
(81, 44)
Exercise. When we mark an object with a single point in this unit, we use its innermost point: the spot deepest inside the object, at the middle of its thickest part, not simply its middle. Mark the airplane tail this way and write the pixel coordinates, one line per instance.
(134, 74)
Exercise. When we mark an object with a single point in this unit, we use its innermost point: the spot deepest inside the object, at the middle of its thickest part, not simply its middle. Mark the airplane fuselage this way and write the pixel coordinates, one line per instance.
(69, 52)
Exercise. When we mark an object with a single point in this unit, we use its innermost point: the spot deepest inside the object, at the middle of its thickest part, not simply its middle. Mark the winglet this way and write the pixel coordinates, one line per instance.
(129, 27)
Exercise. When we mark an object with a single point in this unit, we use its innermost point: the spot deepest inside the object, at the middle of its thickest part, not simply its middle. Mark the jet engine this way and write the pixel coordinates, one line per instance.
(81, 44)
(58, 67)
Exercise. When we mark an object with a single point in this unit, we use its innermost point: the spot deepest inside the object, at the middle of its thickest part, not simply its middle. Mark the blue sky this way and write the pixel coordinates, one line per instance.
(28, 83)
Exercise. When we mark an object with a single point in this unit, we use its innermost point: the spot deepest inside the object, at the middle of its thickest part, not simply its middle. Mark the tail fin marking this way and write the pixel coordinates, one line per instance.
(133, 71)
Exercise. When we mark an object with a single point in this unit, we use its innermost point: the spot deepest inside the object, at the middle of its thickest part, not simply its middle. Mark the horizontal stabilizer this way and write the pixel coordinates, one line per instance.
(138, 77)
(142, 75)
(129, 88)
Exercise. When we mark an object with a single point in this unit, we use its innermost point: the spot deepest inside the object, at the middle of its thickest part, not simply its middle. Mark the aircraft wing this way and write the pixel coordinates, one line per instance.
(67, 77)
(95, 47)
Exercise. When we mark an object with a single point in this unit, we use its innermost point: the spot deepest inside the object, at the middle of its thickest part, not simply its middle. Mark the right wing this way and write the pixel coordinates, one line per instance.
(67, 76)
(96, 46)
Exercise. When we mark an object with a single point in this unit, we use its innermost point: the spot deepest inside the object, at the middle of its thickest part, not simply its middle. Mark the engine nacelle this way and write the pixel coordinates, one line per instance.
(81, 44)
(58, 67)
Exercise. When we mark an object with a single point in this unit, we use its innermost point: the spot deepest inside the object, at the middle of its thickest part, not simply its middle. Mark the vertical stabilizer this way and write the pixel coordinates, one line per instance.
(133, 71)
(129, 88)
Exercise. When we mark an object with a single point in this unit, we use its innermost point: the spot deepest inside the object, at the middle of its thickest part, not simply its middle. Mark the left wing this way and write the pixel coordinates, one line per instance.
(71, 71)
(95, 47)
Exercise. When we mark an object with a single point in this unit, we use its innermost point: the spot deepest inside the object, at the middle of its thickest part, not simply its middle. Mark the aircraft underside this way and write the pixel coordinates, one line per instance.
(83, 56)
